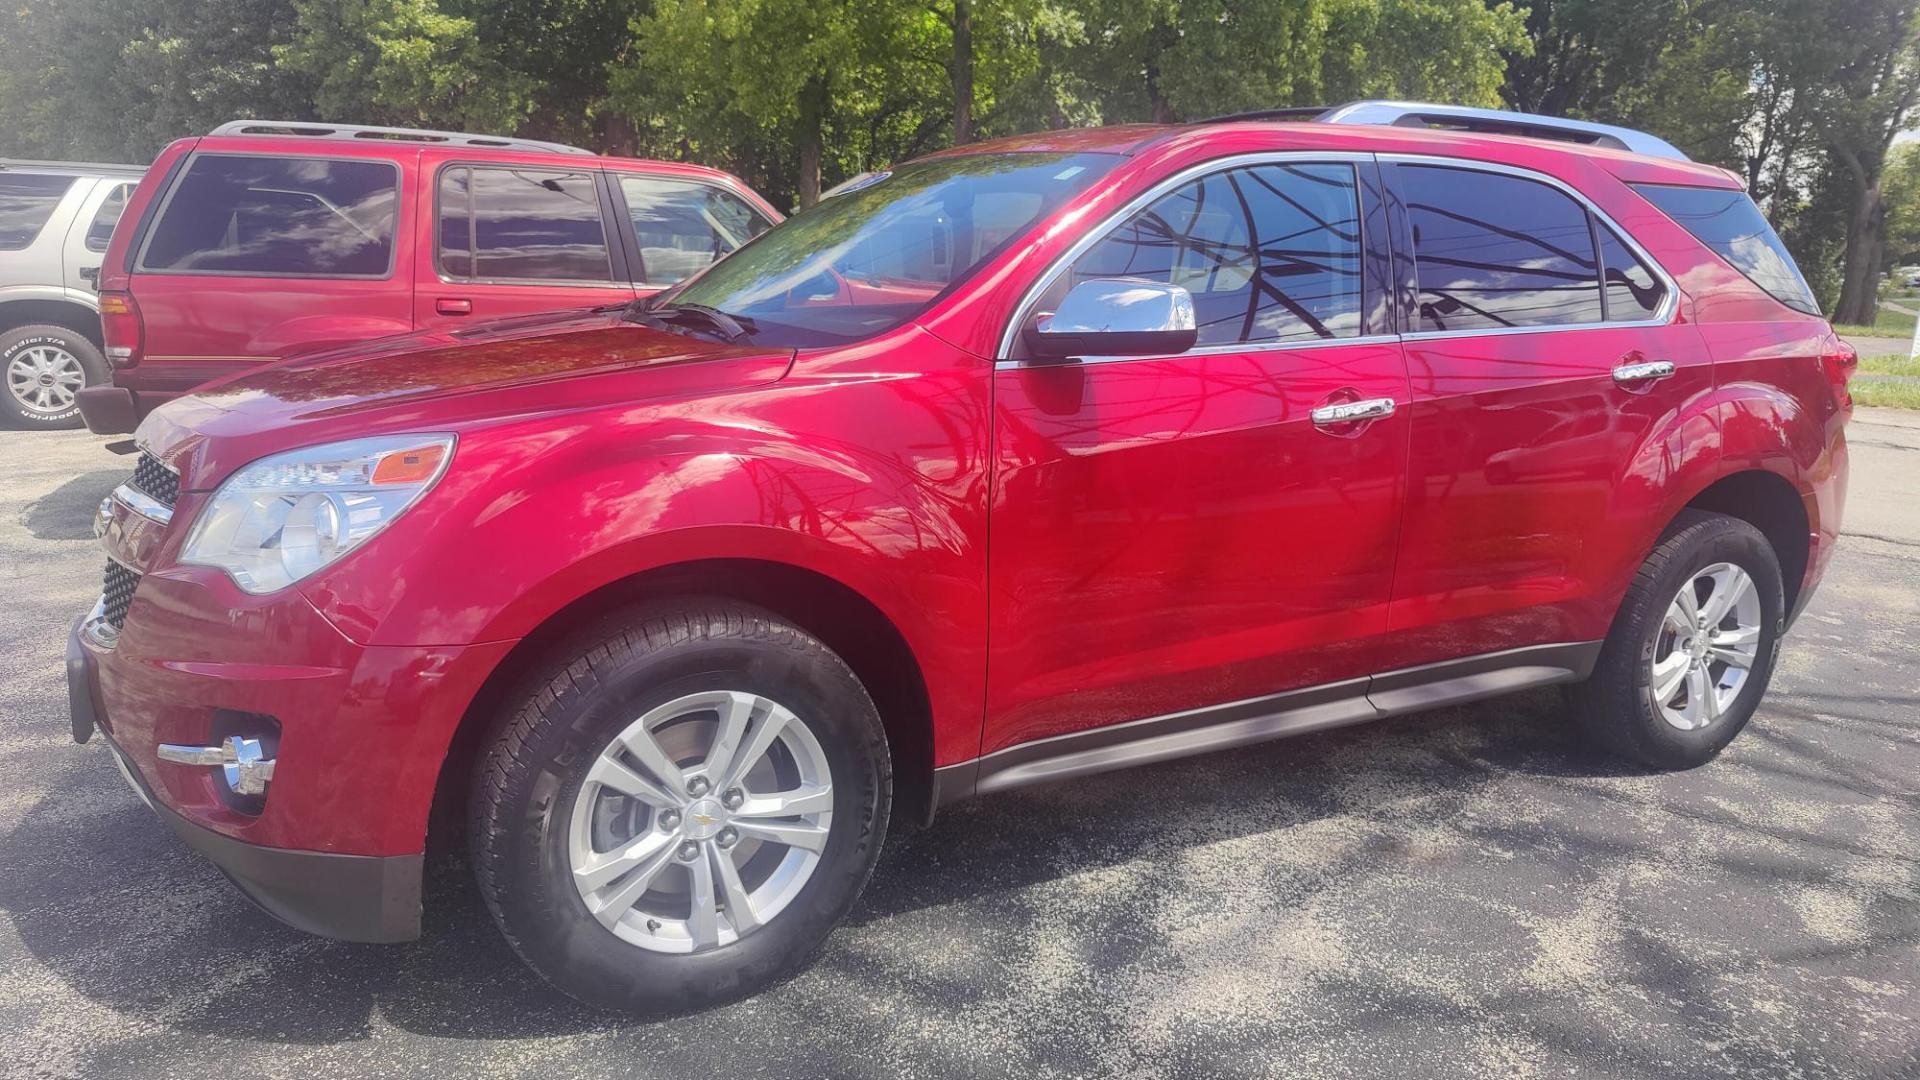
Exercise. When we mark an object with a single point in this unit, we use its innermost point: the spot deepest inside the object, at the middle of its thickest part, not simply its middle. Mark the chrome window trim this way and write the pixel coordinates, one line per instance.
(1669, 303)
(1003, 354)
(1670, 298)
(143, 504)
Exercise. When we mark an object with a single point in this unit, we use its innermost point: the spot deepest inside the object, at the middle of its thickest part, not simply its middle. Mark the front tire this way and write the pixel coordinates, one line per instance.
(681, 808)
(43, 368)
(1692, 648)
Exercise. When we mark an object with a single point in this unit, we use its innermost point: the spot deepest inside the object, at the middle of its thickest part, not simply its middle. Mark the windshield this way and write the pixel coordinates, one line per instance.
(883, 250)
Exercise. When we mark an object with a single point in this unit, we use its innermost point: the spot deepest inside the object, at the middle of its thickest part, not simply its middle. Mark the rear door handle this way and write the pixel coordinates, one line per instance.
(453, 305)
(1348, 411)
(1646, 371)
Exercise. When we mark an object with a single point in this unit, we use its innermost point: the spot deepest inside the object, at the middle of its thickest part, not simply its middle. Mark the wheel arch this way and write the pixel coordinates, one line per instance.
(1772, 504)
(845, 620)
(71, 314)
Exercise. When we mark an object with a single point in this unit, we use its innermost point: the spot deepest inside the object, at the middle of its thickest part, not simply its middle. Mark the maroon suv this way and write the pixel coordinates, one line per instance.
(267, 239)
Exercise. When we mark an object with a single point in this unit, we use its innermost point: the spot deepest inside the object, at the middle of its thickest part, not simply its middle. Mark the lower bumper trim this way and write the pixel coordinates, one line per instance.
(368, 898)
(371, 898)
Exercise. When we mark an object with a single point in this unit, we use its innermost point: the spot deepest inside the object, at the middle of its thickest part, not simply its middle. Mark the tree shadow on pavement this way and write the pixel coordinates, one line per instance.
(141, 924)
(66, 513)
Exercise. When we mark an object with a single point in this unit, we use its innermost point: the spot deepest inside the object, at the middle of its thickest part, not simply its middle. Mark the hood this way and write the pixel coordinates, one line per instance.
(443, 380)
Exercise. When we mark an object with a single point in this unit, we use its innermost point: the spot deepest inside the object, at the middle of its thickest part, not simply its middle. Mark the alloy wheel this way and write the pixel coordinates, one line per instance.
(45, 379)
(1707, 645)
(700, 821)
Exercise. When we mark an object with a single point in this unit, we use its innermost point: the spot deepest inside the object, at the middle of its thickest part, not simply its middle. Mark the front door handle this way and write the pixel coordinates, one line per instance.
(1348, 411)
(453, 305)
(1643, 372)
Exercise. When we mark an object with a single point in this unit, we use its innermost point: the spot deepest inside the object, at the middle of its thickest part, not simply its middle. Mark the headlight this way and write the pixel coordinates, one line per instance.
(286, 516)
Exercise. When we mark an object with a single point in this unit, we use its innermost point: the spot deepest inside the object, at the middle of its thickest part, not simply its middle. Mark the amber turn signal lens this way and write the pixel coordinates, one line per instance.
(409, 466)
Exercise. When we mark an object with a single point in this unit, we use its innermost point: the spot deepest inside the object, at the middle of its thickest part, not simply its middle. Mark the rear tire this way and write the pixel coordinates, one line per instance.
(1692, 648)
(43, 368)
(650, 749)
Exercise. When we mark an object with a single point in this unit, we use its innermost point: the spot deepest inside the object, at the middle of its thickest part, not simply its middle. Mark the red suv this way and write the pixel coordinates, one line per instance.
(1018, 462)
(266, 239)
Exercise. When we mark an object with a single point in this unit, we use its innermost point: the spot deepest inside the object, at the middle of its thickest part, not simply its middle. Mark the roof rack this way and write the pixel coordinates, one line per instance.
(390, 134)
(1418, 114)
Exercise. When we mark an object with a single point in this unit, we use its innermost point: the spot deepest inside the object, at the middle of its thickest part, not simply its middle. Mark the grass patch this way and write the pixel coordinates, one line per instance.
(1891, 365)
(1892, 395)
(1889, 324)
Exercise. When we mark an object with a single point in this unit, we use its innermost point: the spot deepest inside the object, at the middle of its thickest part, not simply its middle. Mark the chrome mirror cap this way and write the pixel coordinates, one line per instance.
(1116, 317)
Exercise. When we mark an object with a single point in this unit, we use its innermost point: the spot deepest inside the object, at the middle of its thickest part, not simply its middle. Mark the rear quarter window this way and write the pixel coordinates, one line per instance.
(278, 217)
(26, 202)
(1729, 223)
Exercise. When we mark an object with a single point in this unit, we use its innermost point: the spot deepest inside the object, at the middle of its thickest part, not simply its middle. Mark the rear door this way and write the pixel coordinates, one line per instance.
(1175, 533)
(92, 227)
(514, 239)
(252, 257)
(1535, 390)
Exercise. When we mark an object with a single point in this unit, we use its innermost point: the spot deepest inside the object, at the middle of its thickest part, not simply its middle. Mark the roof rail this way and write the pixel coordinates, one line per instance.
(1499, 122)
(390, 134)
(1296, 113)
(73, 166)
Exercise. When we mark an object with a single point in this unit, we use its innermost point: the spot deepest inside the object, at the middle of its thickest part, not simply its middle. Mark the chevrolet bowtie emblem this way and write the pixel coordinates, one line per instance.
(704, 819)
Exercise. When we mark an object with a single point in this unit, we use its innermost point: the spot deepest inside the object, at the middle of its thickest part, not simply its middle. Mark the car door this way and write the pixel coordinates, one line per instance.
(92, 227)
(516, 239)
(1176, 533)
(1535, 388)
(678, 226)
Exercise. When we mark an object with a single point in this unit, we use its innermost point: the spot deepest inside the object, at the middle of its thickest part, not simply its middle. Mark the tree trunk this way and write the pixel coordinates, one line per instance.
(962, 71)
(813, 119)
(1859, 283)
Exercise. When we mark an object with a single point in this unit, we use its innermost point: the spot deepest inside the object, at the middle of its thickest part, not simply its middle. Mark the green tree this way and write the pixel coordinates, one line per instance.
(404, 63)
(112, 80)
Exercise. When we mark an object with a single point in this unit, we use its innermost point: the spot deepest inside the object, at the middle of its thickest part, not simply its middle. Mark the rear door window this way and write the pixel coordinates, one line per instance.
(683, 225)
(1493, 251)
(26, 202)
(532, 225)
(1269, 252)
(1729, 223)
(278, 217)
(1633, 294)
(100, 229)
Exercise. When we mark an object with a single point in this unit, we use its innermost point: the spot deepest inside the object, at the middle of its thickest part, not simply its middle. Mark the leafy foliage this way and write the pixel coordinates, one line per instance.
(1802, 98)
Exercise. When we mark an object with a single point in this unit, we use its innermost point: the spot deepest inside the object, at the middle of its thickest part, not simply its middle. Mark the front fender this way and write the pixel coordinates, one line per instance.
(850, 468)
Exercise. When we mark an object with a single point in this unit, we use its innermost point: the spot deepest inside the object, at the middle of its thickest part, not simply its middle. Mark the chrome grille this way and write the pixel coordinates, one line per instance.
(154, 478)
(116, 596)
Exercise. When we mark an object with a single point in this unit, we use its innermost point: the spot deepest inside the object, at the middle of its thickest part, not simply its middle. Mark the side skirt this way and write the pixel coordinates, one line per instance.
(1274, 716)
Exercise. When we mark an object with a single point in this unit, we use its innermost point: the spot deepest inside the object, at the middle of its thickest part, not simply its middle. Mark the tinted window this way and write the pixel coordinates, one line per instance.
(1729, 223)
(306, 217)
(1495, 251)
(878, 253)
(100, 229)
(26, 202)
(521, 224)
(683, 225)
(1270, 252)
(1633, 293)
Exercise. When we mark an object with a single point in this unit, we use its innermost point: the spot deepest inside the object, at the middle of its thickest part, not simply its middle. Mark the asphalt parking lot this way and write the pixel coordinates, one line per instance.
(1464, 893)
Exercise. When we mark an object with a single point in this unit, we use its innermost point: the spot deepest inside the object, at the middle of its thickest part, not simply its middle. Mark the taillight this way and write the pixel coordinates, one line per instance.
(121, 327)
(1839, 361)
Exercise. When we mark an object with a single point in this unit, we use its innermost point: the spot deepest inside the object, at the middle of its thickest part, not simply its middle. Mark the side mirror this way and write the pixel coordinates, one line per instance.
(1116, 317)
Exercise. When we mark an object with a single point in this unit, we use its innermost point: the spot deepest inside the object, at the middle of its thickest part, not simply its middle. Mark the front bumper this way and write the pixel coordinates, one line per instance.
(373, 898)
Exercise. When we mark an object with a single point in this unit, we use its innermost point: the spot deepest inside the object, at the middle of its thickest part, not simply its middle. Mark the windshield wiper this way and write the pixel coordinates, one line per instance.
(728, 328)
